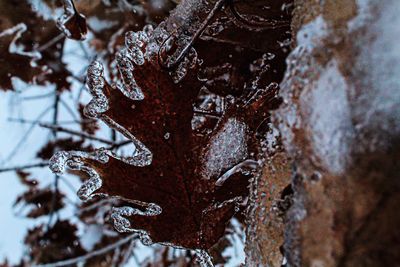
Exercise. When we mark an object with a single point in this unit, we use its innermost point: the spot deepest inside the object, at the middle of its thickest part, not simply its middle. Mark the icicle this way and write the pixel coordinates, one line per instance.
(73, 160)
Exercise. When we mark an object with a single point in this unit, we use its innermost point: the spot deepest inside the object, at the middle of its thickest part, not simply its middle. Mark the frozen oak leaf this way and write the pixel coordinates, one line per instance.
(182, 186)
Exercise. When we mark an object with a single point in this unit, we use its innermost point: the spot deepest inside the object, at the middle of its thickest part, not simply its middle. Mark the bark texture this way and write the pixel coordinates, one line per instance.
(340, 125)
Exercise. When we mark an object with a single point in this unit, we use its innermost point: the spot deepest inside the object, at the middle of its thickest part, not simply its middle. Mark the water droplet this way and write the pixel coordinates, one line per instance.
(166, 136)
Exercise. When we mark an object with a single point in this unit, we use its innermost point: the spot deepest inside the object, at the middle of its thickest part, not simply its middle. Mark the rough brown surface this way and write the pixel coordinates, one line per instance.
(340, 124)
(266, 238)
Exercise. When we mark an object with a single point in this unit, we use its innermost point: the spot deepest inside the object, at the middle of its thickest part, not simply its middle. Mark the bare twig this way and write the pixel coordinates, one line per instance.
(53, 201)
(96, 205)
(35, 97)
(24, 167)
(18, 120)
(81, 134)
(68, 108)
(50, 43)
(128, 253)
(56, 177)
(91, 254)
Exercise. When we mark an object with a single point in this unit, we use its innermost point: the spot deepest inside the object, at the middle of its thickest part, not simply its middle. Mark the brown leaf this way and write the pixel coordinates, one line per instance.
(182, 186)
(14, 63)
(88, 125)
(44, 201)
(23, 177)
(27, 38)
(57, 243)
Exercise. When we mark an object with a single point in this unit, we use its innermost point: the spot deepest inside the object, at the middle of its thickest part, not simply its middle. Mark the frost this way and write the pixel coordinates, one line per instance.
(73, 160)
(331, 134)
(228, 148)
(330, 100)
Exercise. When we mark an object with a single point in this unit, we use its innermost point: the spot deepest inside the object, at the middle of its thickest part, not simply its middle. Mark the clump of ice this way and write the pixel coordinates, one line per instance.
(226, 149)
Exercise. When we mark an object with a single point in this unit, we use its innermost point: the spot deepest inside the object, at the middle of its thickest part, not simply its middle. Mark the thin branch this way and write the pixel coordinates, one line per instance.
(56, 177)
(50, 43)
(118, 145)
(35, 97)
(18, 120)
(95, 205)
(80, 134)
(128, 253)
(26, 135)
(24, 167)
(91, 254)
(53, 201)
(68, 108)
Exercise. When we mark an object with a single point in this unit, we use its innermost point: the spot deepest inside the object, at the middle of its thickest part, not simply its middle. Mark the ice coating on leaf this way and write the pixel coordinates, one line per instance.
(188, 63)
(99, 105)
(73, 160)
(194, 209)
(228, 148)
(96, 83)
(134, 42)
(126, 68)
(123, 225)
(204, 259)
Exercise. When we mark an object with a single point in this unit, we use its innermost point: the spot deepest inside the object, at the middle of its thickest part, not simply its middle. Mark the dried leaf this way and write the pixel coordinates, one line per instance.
(57, 243)
(183, 186)
(43, 201)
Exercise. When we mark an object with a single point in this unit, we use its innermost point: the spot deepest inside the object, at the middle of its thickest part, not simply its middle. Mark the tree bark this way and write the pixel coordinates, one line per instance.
(340, 127)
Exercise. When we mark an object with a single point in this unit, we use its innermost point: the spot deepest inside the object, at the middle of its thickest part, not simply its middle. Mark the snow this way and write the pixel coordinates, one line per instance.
(227, 148)
(336, 110)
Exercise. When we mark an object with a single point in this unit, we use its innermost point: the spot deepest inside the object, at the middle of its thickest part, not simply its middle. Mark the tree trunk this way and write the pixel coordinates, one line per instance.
(340, 127)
